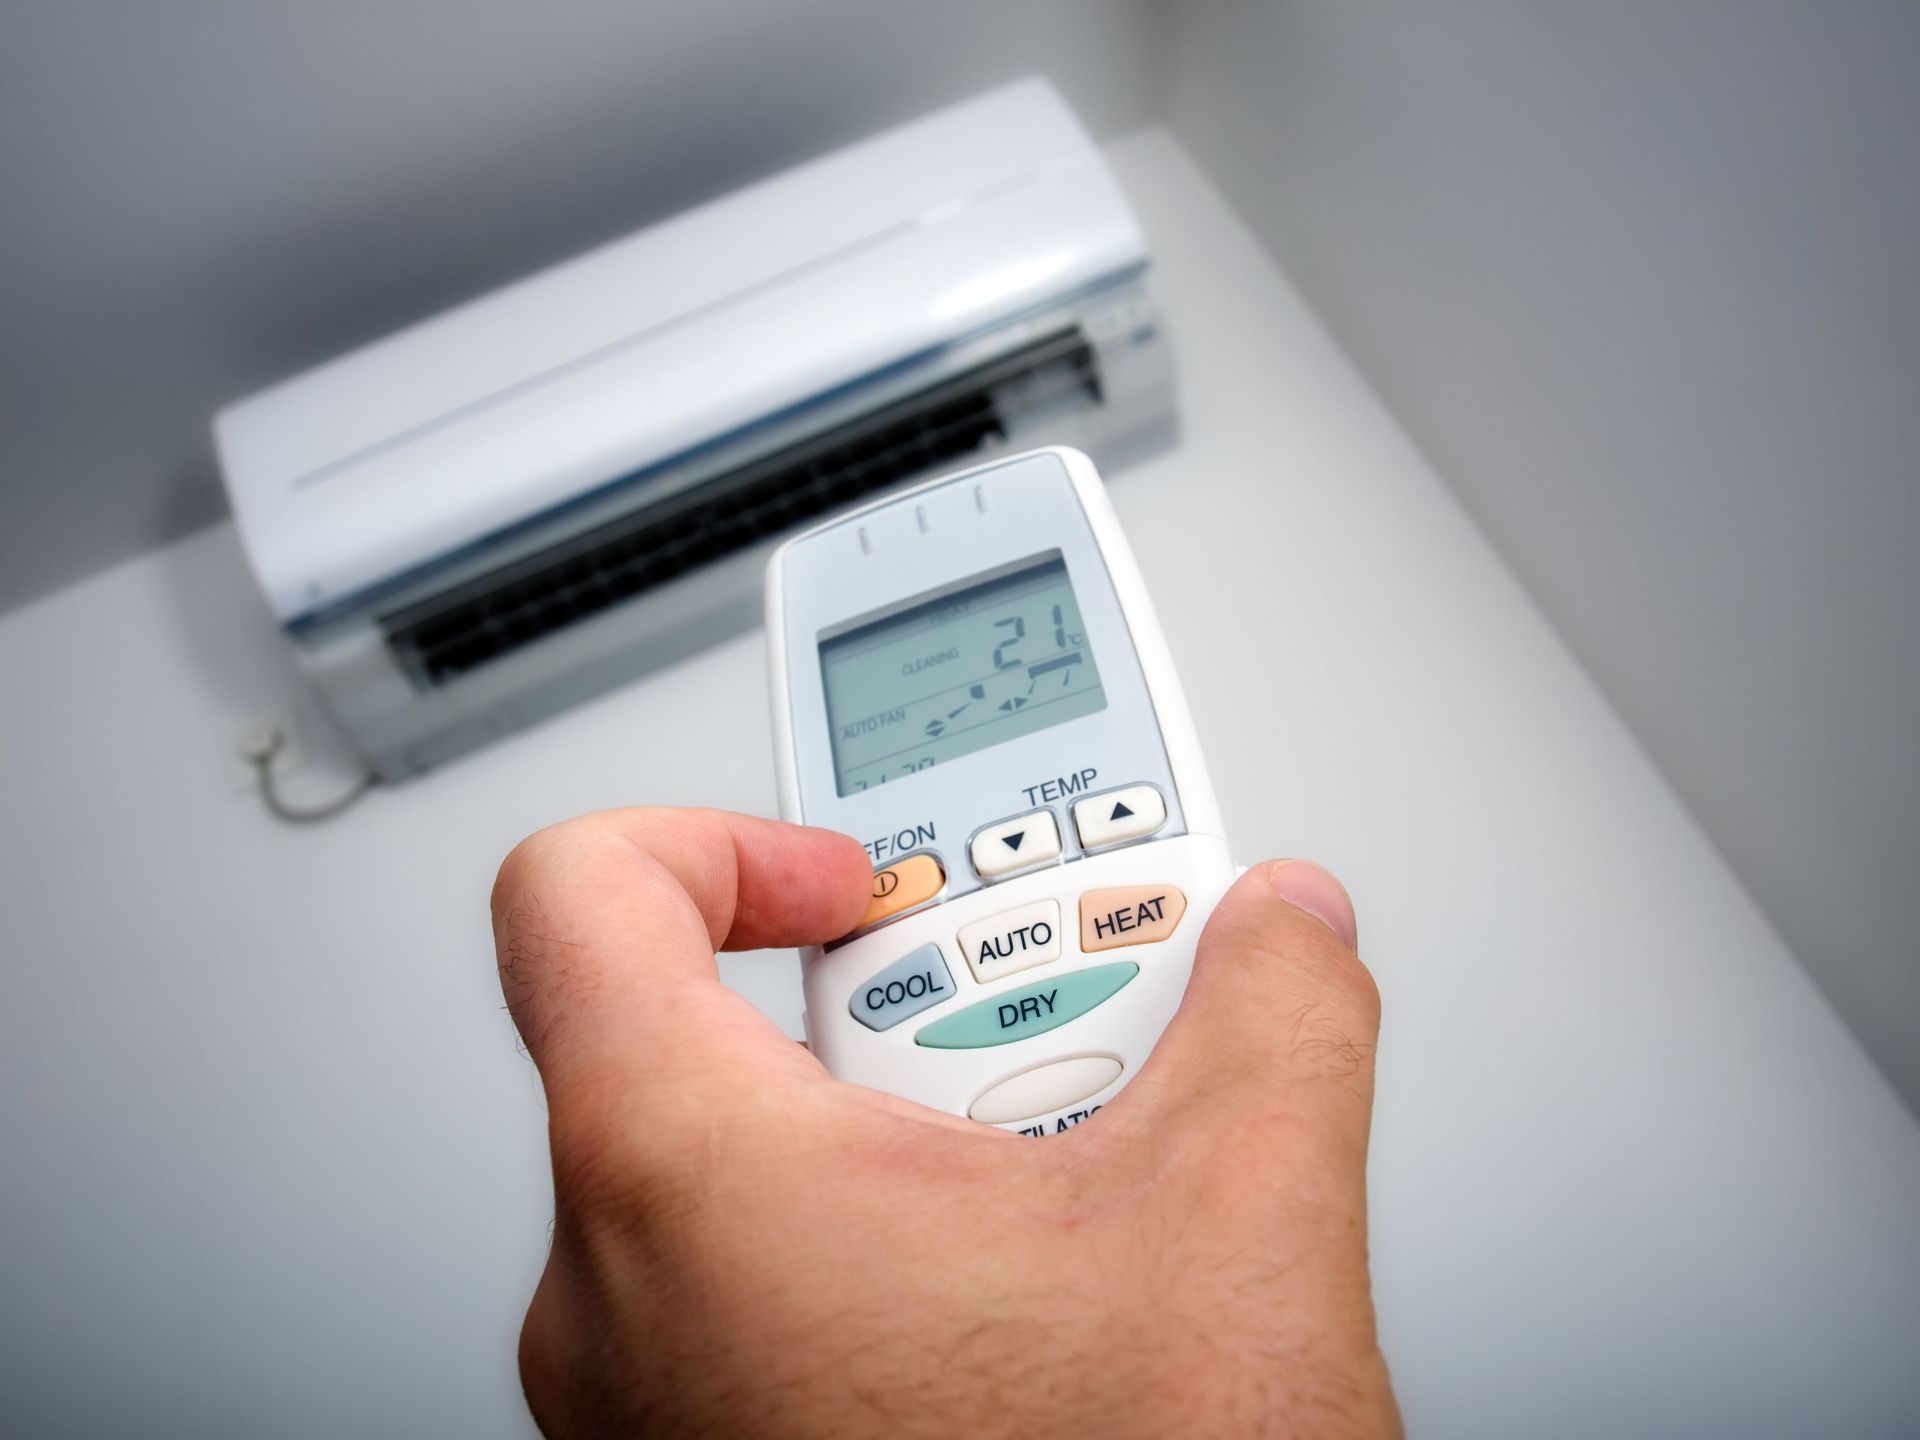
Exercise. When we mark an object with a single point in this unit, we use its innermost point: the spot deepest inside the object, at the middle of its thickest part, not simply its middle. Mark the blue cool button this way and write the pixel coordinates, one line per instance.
(1030, 1010)
(911, 984)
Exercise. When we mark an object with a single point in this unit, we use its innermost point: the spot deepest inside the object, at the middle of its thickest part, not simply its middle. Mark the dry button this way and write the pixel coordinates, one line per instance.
(1030, 1010)
(901, 887)
(1012, 940)
(1045, 1088)
(1119, 815)
(1129, 915)
(1015, 844)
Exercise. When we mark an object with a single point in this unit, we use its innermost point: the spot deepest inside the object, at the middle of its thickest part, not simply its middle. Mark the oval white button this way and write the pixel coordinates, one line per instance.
(1045, 1088)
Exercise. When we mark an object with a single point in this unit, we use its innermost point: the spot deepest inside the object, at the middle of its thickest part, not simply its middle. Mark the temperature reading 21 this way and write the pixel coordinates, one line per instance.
(1014, 630)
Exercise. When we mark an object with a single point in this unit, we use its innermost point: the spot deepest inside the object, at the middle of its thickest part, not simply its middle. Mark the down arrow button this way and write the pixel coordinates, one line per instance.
(1017, 844)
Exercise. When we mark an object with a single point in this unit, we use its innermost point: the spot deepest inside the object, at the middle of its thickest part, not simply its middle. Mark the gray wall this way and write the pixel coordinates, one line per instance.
(199, 199)
(1641, 280)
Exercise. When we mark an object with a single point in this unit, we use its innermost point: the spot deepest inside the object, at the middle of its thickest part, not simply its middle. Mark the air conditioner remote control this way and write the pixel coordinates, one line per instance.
(969, 678)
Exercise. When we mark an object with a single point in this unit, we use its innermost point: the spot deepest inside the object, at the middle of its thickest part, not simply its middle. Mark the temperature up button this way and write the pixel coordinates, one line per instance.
(1118, 816)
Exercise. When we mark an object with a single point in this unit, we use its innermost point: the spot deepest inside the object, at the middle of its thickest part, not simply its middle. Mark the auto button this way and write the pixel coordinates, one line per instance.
(1013, 940)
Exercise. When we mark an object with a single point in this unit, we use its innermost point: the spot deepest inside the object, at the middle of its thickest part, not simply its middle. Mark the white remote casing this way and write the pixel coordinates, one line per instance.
(921, 542)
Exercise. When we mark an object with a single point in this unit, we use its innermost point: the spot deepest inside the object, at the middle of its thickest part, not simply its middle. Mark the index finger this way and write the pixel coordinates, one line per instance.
(606, 929)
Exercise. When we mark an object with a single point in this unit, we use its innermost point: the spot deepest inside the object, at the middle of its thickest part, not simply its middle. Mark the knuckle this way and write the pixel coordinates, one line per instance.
(572, 851)
(529, 864)
(534, 880)
(530, 948)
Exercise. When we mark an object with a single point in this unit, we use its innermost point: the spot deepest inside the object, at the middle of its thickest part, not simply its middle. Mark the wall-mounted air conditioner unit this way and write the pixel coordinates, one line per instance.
(515, 504)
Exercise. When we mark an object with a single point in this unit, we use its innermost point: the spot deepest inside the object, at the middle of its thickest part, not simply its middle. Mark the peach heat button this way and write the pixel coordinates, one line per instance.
(1129, 915)
(903, 886)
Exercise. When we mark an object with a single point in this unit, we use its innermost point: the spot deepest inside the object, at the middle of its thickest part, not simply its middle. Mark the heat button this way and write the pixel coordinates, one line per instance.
(1012, 940)
(1129, 915)
(916, 981)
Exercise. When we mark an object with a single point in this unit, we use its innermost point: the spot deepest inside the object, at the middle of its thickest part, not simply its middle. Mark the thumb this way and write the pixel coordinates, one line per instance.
(1279, 1009)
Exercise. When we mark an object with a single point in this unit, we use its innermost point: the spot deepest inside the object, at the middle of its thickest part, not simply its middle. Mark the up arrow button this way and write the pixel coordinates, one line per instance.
(1119, 816)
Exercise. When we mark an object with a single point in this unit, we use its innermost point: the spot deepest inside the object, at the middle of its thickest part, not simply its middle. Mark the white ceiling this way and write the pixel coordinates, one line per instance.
(196, 200)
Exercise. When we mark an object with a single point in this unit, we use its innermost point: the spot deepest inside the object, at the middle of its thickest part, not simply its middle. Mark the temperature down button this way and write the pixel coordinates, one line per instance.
(1016, 844)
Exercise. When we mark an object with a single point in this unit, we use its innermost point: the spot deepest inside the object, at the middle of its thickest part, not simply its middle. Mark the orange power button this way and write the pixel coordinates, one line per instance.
(903, 886)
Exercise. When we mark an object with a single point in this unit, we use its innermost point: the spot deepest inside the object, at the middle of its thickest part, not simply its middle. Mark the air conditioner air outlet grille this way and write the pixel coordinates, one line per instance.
(450, 635)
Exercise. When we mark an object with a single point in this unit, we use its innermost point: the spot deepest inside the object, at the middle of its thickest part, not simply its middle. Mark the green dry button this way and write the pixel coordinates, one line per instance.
(1030, 1010)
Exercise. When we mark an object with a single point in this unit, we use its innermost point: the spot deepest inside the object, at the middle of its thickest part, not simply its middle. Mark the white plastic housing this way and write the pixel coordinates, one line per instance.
(406, 451)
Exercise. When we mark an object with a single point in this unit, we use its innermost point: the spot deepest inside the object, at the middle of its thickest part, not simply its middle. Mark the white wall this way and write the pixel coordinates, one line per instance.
(271, 1165)
(200, 199)
(1640, 279)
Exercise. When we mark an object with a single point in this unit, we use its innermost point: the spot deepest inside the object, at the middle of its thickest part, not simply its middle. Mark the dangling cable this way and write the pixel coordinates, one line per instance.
(261, 749)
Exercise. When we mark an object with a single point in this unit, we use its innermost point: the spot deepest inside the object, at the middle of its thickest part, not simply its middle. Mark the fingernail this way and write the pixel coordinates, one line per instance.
(1302, 883)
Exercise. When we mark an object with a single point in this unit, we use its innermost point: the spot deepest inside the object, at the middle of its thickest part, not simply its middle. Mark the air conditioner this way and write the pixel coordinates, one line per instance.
(515, 504)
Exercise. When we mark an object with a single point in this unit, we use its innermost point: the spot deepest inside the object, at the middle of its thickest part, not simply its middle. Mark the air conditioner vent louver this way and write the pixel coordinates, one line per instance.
(445, 637)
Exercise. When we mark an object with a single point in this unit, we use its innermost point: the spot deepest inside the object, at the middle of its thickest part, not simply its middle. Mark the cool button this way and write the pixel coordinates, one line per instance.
(1030, 1010)
(914, 982)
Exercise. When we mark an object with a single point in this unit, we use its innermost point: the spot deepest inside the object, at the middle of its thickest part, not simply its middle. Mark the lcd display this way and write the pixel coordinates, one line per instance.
(948, 676)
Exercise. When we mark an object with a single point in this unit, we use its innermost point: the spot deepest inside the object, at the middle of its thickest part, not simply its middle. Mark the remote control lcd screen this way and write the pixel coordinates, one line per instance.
(947, 676)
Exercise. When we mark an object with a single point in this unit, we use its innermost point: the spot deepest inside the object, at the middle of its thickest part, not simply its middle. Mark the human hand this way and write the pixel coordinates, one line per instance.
(744, 1245)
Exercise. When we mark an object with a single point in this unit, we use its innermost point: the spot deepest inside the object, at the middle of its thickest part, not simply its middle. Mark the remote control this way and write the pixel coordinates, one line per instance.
(968, 677)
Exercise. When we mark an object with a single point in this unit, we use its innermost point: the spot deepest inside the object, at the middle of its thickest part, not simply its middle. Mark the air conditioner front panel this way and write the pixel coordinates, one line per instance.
(324, 521)
(469, 525)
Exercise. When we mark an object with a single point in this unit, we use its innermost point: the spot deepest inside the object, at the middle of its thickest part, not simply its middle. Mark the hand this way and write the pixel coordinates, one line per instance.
(744, 1245)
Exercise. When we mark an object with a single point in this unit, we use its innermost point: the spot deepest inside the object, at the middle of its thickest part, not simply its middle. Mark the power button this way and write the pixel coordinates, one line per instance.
(911, 882)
